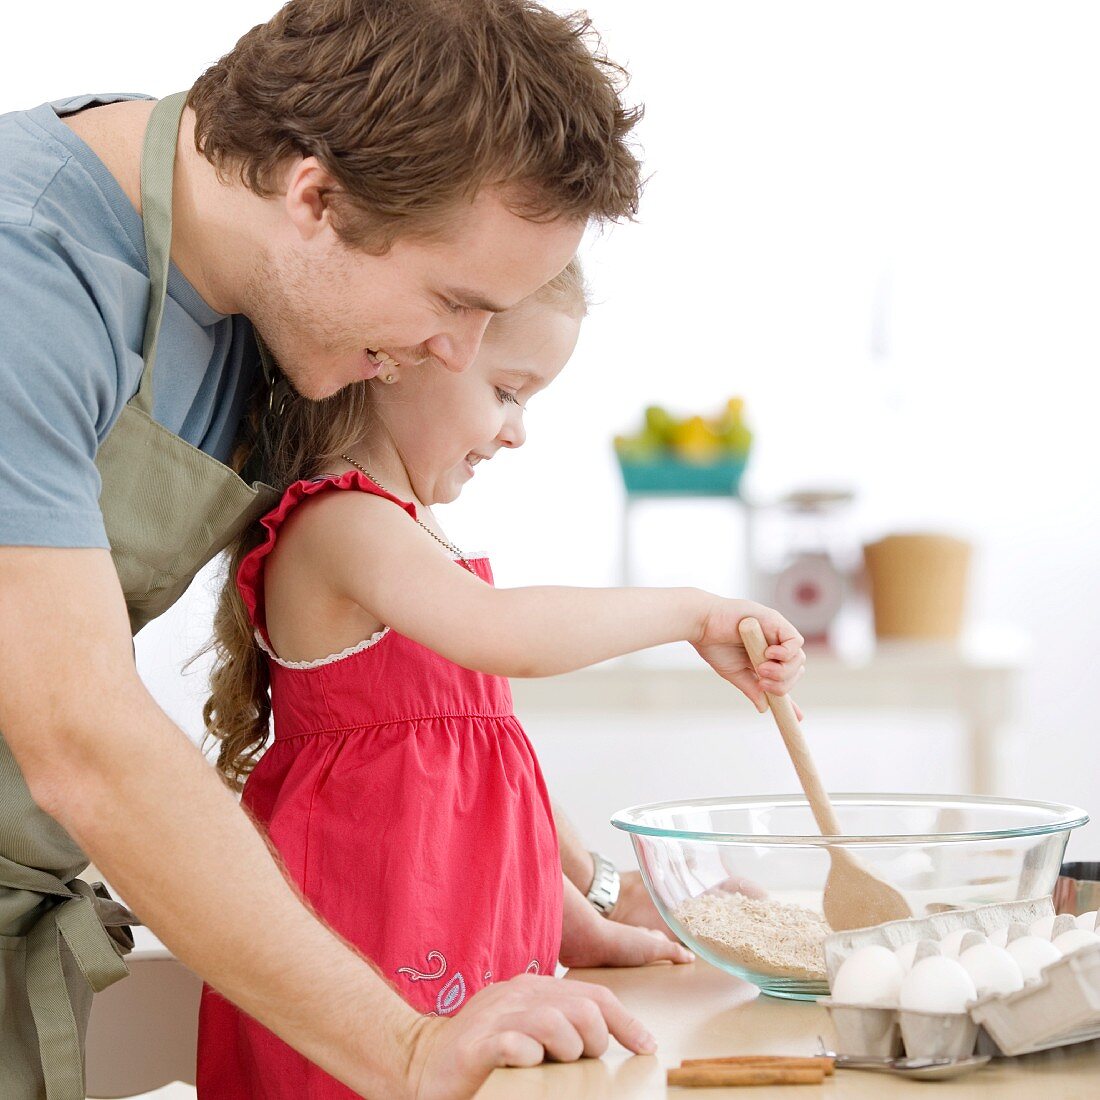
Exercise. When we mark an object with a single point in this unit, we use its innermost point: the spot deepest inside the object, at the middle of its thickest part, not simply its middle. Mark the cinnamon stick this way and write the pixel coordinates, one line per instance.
(791, 1061)
(712, 1076)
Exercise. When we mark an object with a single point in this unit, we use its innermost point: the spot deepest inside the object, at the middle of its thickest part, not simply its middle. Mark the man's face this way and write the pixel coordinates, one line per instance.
(330, 313)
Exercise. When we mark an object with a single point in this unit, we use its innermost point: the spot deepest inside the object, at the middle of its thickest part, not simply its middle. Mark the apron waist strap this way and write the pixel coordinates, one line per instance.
(95, 930)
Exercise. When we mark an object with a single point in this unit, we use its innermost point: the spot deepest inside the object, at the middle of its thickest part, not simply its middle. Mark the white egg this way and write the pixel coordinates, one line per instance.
(1075, 939)
(1089, 922)
(999, 937)
(915, 950)
(992, 969)
(1042, 927)
(950, 943)
(937, 984)
(1032, 954)
(870, 976)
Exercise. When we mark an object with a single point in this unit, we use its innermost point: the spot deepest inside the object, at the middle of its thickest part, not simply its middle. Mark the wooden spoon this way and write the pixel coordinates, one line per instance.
(854, 897)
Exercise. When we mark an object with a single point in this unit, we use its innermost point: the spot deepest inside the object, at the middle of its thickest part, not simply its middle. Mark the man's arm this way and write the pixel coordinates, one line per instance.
(576, 859)
(101, 757)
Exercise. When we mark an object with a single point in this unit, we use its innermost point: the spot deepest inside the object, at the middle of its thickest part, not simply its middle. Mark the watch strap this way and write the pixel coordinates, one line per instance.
(603, 894)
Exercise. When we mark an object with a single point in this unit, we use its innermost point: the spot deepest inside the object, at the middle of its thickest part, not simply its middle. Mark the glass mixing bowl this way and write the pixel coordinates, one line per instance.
(740, 880)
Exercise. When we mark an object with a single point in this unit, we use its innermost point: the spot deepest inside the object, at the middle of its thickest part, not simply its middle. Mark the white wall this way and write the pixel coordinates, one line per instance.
(878, 222)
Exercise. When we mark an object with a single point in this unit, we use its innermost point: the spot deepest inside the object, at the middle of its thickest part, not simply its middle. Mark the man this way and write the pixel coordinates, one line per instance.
(362, 181)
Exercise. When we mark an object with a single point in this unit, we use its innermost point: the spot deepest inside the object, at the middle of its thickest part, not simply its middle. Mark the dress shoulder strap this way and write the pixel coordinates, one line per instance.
(250, 575)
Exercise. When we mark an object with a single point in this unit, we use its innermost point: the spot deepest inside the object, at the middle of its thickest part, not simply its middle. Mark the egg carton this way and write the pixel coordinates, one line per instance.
(868, 1031)
(1060, 1009)
(1063, 1007)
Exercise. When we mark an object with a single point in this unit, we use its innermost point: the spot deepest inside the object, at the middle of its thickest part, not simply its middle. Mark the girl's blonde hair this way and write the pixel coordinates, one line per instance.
(300, 442)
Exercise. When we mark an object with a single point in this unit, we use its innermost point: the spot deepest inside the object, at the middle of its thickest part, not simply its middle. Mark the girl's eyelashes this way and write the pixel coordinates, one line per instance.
(506, 397)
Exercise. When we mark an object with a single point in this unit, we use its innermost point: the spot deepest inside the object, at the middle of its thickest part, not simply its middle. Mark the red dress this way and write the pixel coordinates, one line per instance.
(407, 804)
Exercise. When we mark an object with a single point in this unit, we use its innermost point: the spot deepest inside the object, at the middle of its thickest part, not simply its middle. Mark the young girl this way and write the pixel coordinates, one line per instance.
(400, 790)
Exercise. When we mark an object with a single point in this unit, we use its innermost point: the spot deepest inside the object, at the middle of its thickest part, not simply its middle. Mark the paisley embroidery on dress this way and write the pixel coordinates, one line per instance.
(488, 976)
(532, 967)
(430, 976)
(451, 995)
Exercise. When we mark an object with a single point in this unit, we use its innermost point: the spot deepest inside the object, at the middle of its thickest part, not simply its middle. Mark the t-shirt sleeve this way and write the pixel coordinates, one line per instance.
(58, 385)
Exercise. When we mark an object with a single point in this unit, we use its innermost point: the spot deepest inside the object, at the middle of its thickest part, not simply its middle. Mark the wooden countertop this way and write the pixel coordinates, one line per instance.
(698, 1011)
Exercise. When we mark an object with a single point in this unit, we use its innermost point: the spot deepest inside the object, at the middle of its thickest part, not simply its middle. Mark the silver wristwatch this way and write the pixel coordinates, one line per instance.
(604, 891)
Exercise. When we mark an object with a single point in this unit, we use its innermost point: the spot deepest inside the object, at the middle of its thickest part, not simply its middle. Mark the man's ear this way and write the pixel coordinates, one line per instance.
(308, 200)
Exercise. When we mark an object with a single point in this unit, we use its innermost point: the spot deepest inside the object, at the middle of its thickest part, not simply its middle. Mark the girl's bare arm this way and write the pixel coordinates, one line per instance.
(368, 550)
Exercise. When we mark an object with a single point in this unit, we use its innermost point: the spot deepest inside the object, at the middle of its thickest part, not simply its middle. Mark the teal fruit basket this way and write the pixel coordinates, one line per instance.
(666, 476)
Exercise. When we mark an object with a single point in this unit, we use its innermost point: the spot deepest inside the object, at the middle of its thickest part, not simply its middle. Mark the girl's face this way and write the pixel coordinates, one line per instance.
(440, 425)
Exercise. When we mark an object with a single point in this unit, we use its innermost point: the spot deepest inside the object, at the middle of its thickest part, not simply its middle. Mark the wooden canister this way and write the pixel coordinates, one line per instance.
(918, 585)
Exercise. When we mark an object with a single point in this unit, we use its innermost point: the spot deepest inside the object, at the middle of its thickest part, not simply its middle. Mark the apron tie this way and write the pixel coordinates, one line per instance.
(96, 932)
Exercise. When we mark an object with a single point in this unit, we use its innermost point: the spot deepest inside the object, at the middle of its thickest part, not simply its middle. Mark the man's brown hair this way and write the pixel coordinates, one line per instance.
(414, 105)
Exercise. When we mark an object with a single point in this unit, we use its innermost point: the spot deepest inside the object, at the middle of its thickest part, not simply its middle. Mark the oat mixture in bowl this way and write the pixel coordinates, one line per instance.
(740, 880)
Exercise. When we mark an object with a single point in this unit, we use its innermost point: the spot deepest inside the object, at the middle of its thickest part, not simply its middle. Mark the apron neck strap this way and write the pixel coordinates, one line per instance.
(158, 159)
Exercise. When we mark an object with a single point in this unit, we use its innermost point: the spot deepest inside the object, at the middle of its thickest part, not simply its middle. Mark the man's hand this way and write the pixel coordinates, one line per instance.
(587, 939)
(586, 936)
(636, 907)
(518, 1023)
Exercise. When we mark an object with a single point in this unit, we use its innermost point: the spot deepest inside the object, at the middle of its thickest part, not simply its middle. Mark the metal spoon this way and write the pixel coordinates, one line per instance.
(923, 1069)
(854, 897)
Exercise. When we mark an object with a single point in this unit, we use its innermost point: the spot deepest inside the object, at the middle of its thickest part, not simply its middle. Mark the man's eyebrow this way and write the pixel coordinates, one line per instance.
(471, 299)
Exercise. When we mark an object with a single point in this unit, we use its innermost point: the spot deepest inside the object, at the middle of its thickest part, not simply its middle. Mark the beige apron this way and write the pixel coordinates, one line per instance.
(168, 509)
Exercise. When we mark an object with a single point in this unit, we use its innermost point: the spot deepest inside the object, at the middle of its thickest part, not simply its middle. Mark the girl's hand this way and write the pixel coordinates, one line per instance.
(720, 645)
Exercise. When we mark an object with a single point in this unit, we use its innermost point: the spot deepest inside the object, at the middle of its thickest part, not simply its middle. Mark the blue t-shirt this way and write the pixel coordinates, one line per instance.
(74, 287)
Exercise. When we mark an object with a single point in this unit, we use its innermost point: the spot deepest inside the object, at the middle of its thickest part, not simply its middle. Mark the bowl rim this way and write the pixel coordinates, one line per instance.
(1067, 817)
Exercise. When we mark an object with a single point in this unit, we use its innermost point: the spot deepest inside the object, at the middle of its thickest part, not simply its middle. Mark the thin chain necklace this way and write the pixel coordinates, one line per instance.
(450, 546)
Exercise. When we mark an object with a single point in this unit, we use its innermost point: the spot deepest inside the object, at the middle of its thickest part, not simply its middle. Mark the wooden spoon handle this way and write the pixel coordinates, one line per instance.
(785, 718)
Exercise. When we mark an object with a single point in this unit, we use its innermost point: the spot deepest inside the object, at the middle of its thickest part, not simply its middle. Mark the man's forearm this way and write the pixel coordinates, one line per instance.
(100, 756)
(183, 854)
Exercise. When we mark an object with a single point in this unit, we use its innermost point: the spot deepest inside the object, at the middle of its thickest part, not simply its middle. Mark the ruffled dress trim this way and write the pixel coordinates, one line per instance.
(250, 573)
(320, 662)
